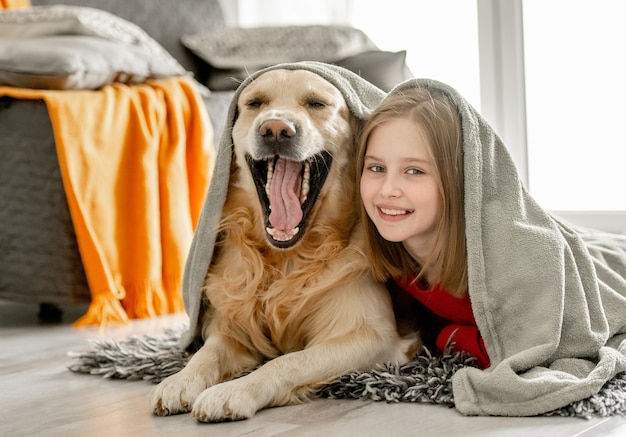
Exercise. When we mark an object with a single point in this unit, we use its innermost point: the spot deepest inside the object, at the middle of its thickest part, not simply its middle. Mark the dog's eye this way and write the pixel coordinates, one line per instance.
(315, 104)
(254, 104)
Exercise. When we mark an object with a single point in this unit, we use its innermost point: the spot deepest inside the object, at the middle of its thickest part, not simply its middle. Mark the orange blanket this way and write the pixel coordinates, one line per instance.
(14, 4)
(135, 162)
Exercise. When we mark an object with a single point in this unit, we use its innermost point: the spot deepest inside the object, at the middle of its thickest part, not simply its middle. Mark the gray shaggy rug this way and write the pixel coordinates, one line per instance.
(426, 379)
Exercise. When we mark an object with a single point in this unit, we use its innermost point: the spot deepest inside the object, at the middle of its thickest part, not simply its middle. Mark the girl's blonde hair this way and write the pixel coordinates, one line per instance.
(439, 120)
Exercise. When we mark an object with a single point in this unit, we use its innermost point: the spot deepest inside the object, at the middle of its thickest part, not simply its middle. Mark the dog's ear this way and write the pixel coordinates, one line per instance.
(356, 126)
(236, 115)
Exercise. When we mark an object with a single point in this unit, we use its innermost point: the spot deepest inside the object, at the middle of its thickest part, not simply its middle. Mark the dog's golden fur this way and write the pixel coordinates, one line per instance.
(310, 310)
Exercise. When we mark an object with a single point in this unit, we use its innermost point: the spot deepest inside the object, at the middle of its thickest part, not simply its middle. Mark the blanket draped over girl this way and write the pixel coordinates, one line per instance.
(549, 298)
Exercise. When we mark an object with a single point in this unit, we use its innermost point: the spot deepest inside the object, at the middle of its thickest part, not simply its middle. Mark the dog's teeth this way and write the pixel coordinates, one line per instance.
(270, 175)
(306, 182)
(282, 235)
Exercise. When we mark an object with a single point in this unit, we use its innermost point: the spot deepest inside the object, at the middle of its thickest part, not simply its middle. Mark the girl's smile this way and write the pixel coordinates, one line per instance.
(390, 213)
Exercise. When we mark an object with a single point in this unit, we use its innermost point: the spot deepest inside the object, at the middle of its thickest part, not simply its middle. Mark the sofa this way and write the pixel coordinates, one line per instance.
(40, 261)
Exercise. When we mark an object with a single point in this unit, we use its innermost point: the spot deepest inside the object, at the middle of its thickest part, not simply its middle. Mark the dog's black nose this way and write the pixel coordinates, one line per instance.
(277, 129)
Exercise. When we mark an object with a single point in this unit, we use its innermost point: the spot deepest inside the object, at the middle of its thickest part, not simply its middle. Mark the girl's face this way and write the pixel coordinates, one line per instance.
(399, 187)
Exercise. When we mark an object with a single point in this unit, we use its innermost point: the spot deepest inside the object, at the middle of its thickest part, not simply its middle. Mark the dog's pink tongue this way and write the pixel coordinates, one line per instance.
(285, 195)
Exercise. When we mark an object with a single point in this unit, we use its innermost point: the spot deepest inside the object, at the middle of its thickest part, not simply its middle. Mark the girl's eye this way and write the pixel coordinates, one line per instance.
(414, 171)
(376, 168)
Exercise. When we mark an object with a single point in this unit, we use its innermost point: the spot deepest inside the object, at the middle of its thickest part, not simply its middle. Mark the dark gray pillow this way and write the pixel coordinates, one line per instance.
(226, 79)
(383, 69)
(232, 54)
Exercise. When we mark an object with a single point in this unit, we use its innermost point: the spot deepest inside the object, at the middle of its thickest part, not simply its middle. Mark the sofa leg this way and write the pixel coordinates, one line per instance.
(49, 313)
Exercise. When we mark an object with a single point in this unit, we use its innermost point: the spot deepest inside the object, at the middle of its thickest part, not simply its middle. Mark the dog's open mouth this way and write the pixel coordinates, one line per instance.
(287, 191)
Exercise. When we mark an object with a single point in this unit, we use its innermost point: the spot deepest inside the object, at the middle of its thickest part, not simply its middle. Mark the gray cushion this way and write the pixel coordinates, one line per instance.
(383, 69)
(234, 53)
(257, 47)
(66, 47)
(163, 20)
(75, 62)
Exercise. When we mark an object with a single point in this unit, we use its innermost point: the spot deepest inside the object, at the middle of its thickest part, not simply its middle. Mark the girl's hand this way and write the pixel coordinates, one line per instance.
(464, 338)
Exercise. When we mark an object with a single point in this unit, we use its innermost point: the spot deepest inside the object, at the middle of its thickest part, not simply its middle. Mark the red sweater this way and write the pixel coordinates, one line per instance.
(461, 330)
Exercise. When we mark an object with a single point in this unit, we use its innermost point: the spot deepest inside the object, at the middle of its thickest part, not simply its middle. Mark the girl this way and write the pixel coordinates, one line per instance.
(540, 303)
(412, 191)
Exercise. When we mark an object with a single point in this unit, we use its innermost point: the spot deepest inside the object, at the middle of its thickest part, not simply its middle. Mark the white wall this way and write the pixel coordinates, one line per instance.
(253, 13)
(440, 37)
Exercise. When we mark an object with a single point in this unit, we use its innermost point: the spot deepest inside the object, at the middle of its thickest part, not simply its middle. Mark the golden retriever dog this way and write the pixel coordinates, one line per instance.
(288, 295)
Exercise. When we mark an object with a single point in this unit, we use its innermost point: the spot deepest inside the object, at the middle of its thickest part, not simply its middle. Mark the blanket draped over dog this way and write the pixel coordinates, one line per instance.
(549, 298)
(361, 97)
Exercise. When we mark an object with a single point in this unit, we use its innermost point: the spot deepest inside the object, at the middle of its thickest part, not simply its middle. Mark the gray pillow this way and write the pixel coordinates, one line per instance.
(75, 62)
(71, 40)
(164, 20)
(254, 48)
(383, 69)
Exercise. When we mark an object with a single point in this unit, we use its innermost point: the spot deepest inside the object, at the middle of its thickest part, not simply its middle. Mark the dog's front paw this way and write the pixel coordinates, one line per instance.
(176, 394)
(232, 400)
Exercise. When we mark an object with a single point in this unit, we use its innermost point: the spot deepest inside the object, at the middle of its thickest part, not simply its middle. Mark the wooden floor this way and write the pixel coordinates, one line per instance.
(40, 397)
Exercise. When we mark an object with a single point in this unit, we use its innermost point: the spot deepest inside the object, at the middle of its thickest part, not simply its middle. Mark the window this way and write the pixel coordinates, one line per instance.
(440, 38)
(552, 84)
(547, 74)
(576, 103)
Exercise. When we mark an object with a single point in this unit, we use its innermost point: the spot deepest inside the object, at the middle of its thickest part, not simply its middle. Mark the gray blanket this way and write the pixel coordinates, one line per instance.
(549, 298)
(361, 97)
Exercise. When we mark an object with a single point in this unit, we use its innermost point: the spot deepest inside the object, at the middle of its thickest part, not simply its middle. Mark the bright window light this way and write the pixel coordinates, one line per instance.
(440, 37)
(576, 103)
